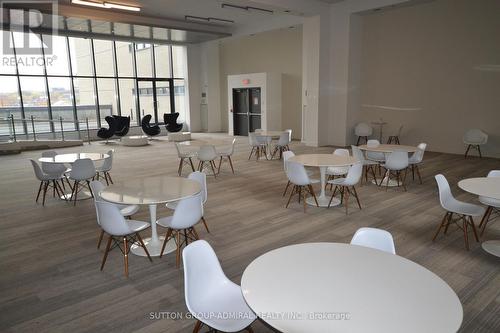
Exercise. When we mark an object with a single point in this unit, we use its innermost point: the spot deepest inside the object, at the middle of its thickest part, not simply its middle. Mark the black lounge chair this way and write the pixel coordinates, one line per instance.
(122, 125)
(170, 120)
(106, 133)
(147, 128)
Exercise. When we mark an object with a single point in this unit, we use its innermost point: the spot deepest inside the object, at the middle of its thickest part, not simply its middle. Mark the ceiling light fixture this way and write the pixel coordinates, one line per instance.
(107, 5)
(247, 8)
(206, 19)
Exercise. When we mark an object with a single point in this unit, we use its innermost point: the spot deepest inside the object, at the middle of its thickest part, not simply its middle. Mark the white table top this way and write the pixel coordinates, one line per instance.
(206, 142)
(150, 190)
(485, 186)
(71, 158)
(272, 134)
(374, 291)
(323, 160)
(384, 148)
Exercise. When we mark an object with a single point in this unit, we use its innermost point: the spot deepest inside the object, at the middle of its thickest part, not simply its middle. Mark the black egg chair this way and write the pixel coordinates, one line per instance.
(122, 125)
(147, 128)
(170, 120)
(106, 133)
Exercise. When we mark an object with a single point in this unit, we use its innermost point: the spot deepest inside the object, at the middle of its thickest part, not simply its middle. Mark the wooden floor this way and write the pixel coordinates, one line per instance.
(49, 265)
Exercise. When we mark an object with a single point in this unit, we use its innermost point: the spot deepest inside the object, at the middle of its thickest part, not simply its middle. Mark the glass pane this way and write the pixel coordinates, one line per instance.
(35, 102)
(162, 61)
(180, 100)
(85, 101)
(57, 60)
(127, 100)
(7, 66)
(143, 59)
(163, 97)
(179, 61)
(146, 101)
(125, 58)
(32, 62)
(103, 55)
(62, 104)
(10, 104)
(81, 56)
(106, 89)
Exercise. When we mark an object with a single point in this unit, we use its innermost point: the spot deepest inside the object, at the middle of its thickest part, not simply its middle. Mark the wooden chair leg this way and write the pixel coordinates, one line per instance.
(357, 142)
(251, 153)
(346, 199)
(108, 246)
(311, 190)
(485, 219)
(165, 241)
(418, 174)
(193, 231)
(45, 187)
(473, 228)
(39, 190)
(356, 196)
(197, 326)
(467, 151)
(143, 246)
(75, 194)
(125, 255)
(291, 195)
(231, 164)
(212, 164)
(443, 221)
(101, 235)
(178, 251)
(179, 170)
(479, 151)
(205, 223)
(220, 162)
(466, 232)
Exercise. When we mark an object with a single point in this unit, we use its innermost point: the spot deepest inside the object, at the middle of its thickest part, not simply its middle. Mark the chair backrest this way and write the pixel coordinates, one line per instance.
(397, 160)
(475, 136)
(373, 143)
(231, 150)
(284, 139)
(52, 168)
(188, 212)
(494, 173)
(354, 174)
(82, 169)
(286, 156)
(96, 187)
(363, 129)
(111, 219)
(108, 161)
(418, 156)
(207, 153)
(202, 273)
(289, 131)
(358, 154)
(445, 195)
(38, 171)
(252, 140)
(374, 238)
(178, 148)
(341, 152)
(297, 174)
(201, 178)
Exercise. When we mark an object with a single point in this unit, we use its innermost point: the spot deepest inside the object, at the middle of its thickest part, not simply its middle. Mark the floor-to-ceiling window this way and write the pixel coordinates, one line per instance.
(85, 80)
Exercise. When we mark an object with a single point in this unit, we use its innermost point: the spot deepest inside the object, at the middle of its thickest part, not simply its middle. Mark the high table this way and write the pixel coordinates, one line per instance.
(151, 191)
(487, 187)
(332, 287)
(323, 161)
(70, 159)
(387, 149)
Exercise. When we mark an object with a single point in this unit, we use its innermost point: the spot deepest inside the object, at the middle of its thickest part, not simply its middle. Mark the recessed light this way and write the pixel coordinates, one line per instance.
(107, 5)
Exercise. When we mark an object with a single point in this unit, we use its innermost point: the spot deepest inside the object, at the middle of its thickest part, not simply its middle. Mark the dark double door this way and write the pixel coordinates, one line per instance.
(246, 110)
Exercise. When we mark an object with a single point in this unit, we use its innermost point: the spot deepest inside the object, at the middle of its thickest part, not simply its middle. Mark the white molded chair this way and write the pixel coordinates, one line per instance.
(184, 157)
(201, 178)
(374, 238)
(374, 155)
(226, 155)
(282, 144)
(126, 210)
(289, 131)
(338, 171)
(465, 211)
(208, 290)
(207, 154)
(363, 130)
(46, 181)
(416, 159)
(493, 205)
(395, 138)
(367, 164)
(83, 170)
(55, 168)
(474, 138)
(181, 225)
(346, 186)
(396, 162)
(123, 233)
(287, 155)
(297, 175)
(105, 168)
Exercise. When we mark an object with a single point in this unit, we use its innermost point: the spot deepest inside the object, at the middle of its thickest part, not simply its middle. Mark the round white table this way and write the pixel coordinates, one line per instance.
(323, 161)
(206, 142)
(332, 287)
(151, 191)
(487, 187)
(387, 149)
(71, 158)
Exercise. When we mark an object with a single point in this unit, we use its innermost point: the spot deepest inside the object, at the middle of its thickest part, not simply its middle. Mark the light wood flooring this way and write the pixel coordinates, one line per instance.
(49, 265)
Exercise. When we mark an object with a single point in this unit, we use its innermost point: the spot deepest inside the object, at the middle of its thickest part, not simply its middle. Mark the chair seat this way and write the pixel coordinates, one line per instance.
(337, 171)
(227, 298)
(172, 205)
(102, 169)
(165, 222)
(392, 169)
(128, 210)
(338, 181)
(379, 160)
(489, 201)
(464, 208)
(370, 162)
(188, 155)
(413, 161)
(137, 226)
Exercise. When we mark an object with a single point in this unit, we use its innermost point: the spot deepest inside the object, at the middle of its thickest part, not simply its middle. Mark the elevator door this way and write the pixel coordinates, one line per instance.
(246, 110)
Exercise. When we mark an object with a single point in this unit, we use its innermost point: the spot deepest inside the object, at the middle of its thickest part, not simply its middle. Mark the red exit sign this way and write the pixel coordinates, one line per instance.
(246, 81)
